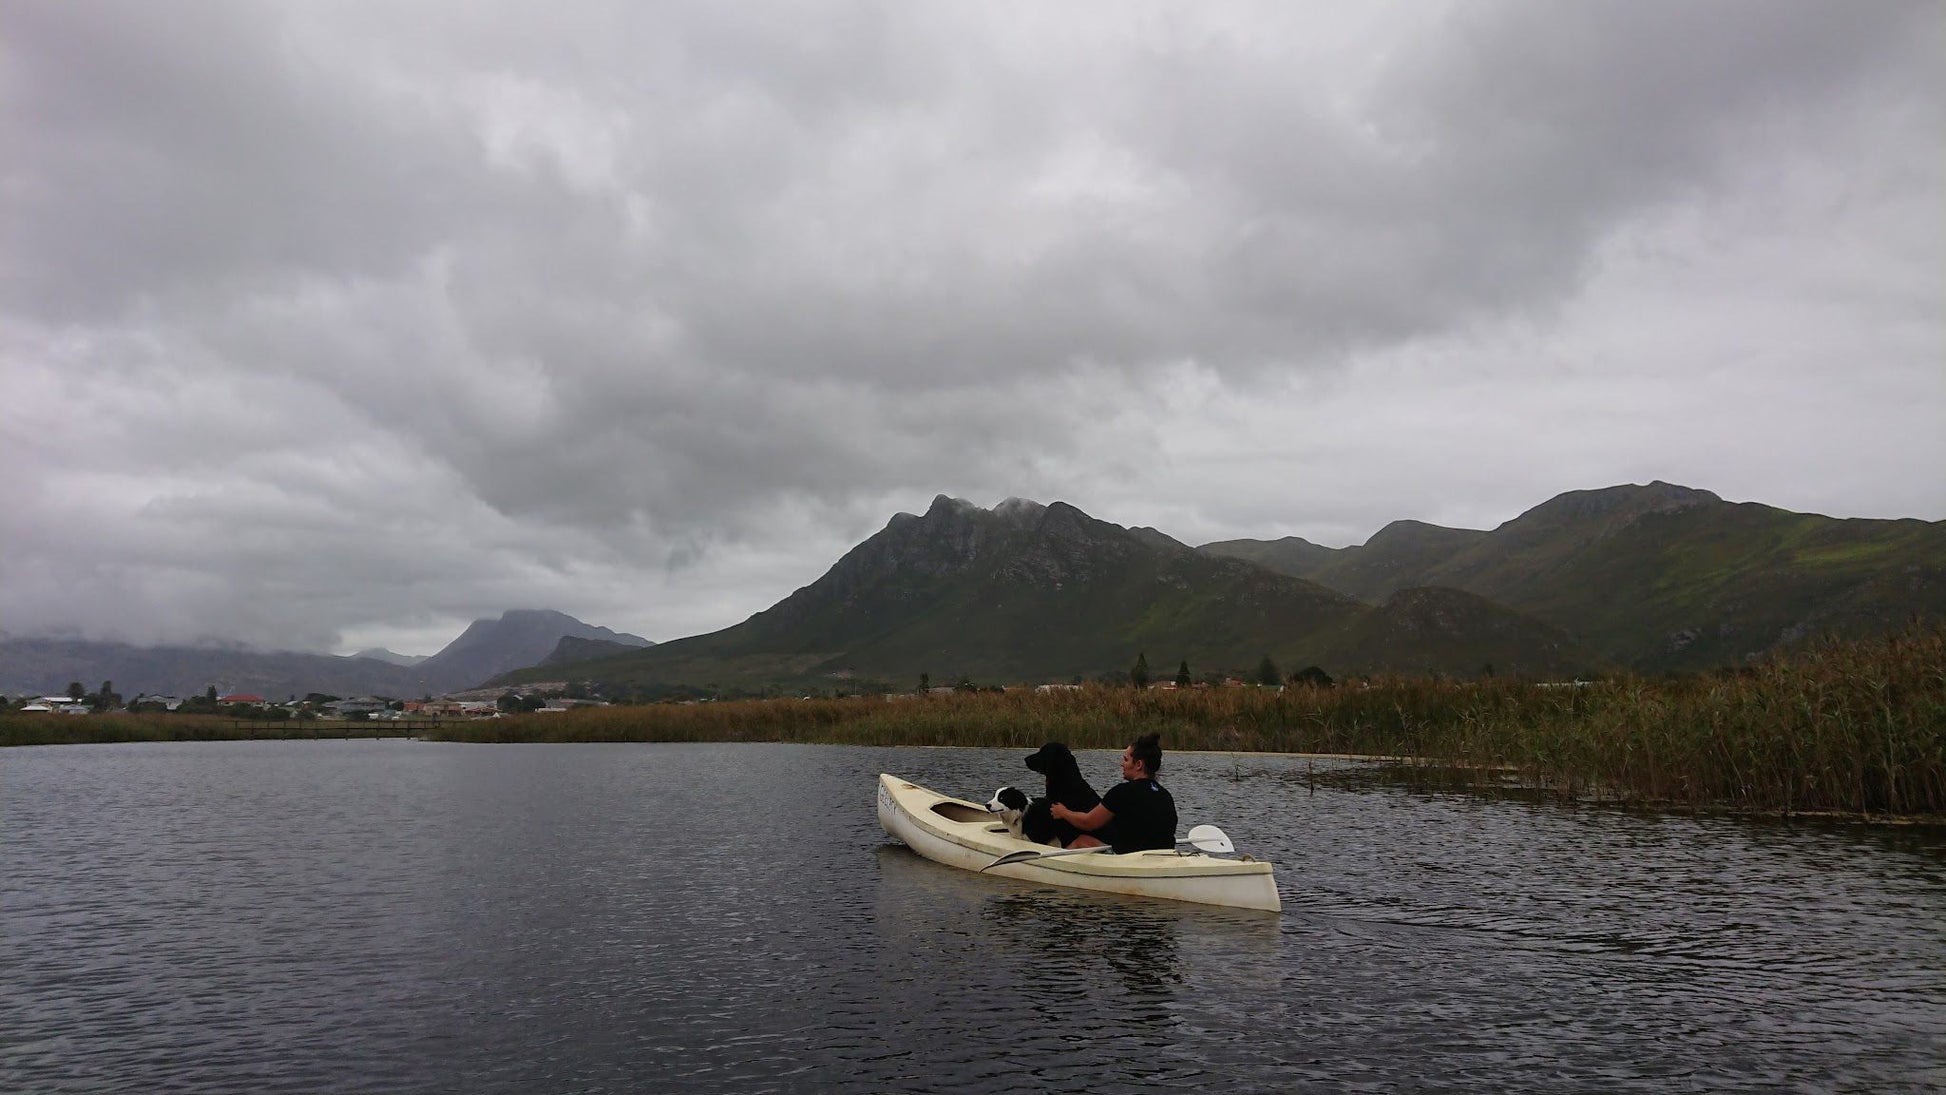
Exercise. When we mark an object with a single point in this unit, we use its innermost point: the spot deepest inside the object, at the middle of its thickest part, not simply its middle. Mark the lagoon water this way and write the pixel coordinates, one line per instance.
(399, 916)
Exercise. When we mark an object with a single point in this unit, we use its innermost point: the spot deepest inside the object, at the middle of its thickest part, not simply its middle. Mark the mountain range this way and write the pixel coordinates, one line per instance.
(1649, 578)
(1655, 578)
(521, 637)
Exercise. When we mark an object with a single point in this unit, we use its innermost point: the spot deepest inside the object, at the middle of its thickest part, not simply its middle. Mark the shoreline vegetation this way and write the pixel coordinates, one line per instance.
(1854, 728)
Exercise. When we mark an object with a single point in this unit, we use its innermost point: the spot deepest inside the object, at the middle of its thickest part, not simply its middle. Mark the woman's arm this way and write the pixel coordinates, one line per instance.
(1088, 822)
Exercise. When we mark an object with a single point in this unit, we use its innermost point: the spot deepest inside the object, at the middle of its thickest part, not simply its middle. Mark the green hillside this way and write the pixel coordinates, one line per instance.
(1662, 577)
(1396, 558)
(1655, 577)
(1292, 555)
(1030, 593)
(1431, 631)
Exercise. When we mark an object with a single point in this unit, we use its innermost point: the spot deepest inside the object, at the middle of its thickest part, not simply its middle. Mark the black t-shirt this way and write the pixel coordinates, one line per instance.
(1145, 816)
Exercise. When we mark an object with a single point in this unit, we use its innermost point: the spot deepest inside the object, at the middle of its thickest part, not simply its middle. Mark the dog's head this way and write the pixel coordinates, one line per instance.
(1055, 761)
(1009, 803)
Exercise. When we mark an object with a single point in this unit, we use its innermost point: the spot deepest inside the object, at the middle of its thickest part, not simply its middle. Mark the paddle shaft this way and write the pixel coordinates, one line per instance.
(1216, 841)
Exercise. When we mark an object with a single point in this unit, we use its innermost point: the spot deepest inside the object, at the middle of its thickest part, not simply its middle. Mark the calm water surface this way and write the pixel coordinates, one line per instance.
(401, 916)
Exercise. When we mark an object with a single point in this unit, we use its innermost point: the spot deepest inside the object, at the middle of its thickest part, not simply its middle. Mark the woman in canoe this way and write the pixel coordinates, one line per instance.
(1136, 813)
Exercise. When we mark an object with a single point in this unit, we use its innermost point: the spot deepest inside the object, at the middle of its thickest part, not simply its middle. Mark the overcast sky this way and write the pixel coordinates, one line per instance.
(338, 324)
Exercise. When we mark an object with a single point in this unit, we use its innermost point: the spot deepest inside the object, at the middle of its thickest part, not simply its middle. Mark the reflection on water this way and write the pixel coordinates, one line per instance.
(399, 917)
(1069, 936)
(1077, 982)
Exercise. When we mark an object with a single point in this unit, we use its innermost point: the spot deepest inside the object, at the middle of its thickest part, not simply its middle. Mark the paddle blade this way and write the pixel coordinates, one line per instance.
(1011, 857)
(1209, 838)
(1050, 853)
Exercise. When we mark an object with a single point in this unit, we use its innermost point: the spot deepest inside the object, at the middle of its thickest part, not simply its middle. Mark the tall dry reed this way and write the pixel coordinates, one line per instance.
(1858, 727)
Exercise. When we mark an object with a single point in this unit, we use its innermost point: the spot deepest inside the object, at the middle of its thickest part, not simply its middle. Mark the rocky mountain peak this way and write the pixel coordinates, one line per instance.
(946, 504)
(1021, 511)
(1158, 539)
(519, 638)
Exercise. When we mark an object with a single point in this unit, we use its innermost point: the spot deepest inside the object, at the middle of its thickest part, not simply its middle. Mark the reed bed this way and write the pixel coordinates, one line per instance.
(120, 726)
(1856, 728)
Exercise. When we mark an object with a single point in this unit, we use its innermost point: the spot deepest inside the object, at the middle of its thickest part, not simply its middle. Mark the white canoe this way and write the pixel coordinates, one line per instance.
(962, 834)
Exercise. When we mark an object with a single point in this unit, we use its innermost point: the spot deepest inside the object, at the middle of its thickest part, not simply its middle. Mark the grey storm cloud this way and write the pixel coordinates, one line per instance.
(375, 315)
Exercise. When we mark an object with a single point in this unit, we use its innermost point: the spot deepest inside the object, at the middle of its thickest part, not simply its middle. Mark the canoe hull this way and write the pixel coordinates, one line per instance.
(962, 834)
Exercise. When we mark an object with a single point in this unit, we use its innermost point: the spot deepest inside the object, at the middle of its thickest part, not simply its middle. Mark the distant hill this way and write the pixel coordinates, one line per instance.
(519, 638)
(1658, 577)
(1026, 592)
(572, 649)
(488, 647)
(46, 665)
(1399, 556)
(380, 654)
(1292, 555)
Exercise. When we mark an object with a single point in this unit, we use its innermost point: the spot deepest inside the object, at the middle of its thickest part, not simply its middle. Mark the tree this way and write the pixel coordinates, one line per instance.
(1139, 676)
(1183, 679)
(210, 693)
(1267, 673)
(508, 701)
(925, 682)
(1311, 676)
(75, 691)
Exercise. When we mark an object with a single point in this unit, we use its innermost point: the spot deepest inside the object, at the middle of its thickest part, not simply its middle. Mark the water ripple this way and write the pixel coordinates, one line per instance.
(408, 917)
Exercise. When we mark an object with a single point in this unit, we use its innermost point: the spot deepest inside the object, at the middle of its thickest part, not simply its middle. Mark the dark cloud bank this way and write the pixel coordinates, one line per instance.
(330, 325)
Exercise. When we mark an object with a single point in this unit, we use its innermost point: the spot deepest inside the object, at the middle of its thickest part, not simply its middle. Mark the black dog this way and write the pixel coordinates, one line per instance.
(1066, 786)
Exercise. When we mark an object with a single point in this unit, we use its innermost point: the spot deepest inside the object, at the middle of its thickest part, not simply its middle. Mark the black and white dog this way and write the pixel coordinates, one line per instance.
(1011, 805)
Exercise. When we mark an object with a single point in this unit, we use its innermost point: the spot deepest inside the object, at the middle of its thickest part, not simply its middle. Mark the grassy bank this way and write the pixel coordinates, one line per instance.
(1852, 728)
(45, 729)
(1856, 728)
